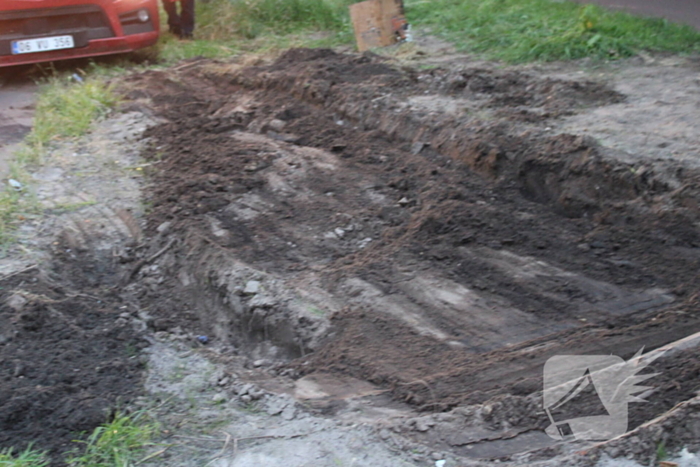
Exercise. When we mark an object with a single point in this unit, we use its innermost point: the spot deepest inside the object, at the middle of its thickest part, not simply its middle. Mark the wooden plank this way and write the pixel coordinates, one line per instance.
(366, 20)
(377, 23)
(392, 21)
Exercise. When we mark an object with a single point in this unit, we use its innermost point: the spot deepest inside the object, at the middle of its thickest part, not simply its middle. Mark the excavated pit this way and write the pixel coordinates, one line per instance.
(420, 234)
(441, 251)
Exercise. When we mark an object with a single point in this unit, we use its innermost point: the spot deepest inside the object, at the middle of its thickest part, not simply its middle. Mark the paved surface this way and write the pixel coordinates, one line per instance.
(17, 97)
(682, 11)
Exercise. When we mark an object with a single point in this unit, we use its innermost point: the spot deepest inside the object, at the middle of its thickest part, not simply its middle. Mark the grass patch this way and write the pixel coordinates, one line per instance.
(226, 27)
(16, 204)
(65, 109)
(27, 458)
(544, 30)
(121, 443)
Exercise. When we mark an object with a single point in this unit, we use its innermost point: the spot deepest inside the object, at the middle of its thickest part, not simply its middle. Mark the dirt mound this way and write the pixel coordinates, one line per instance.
(463, 251)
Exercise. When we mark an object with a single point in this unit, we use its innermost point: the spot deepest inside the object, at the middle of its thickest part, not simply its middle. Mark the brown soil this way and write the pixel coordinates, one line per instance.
(448, 242)
(461, 195)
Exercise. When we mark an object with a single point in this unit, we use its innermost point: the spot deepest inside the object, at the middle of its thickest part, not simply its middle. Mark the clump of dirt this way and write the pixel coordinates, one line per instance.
(463, 251)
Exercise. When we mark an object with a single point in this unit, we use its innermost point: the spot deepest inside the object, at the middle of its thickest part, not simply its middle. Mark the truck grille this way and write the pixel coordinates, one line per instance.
(85, 22)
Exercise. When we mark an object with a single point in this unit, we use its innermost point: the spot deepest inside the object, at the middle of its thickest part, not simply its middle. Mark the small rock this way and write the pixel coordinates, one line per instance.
(289, 412)
(424, 425)
(364, 242)
(246, 399)
(436, 456)
(285, 137)
(219, 398)
(202, 339)
(164, 228)
(277, 124)
(416, 148)
(251, 287)
(4, 338)
(224, 381)
(583, 246)
(404, 201)
(15, 184)
(256, 394)
(16, 302)
(119, 322)
(277, 405)
(340, 233)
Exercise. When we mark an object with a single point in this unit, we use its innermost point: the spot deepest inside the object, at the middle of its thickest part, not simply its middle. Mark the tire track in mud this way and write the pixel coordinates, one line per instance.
(459, 248)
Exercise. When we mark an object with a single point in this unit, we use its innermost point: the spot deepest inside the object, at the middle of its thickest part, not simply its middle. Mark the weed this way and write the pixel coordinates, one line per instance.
(131, 350)
(527, 30)
(120, 443)
(65, 110)
(316, 311)
(661, 452)
(27, 458)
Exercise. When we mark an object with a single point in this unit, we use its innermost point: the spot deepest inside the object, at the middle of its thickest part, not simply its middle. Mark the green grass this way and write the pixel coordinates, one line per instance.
(544, 30)
(65, 109)
(120, 443)
(27, 458)
(227, 27)
(510, 30)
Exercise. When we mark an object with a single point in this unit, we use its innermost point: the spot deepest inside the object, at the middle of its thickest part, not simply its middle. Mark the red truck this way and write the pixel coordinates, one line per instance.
(33, 31)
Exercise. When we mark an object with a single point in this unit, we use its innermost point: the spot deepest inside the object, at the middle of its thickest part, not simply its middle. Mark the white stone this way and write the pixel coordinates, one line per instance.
(251, 287)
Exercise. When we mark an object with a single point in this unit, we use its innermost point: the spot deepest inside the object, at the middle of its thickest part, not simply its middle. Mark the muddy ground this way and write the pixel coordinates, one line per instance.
(345, 227)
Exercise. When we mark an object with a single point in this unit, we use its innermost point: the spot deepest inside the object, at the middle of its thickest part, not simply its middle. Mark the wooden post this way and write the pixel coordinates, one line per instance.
(377, 23)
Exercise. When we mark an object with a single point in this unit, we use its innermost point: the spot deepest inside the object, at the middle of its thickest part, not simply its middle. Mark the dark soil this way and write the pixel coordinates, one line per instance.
(467, 185)
(67, 361)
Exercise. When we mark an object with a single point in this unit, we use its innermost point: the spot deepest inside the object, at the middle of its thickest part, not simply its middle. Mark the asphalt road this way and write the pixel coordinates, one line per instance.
(681, 11)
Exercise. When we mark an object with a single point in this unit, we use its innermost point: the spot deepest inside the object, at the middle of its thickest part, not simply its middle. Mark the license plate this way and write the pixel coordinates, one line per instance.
(42, 45)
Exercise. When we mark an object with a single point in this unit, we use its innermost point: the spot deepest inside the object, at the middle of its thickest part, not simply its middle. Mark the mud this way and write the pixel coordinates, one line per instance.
(338, 239)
